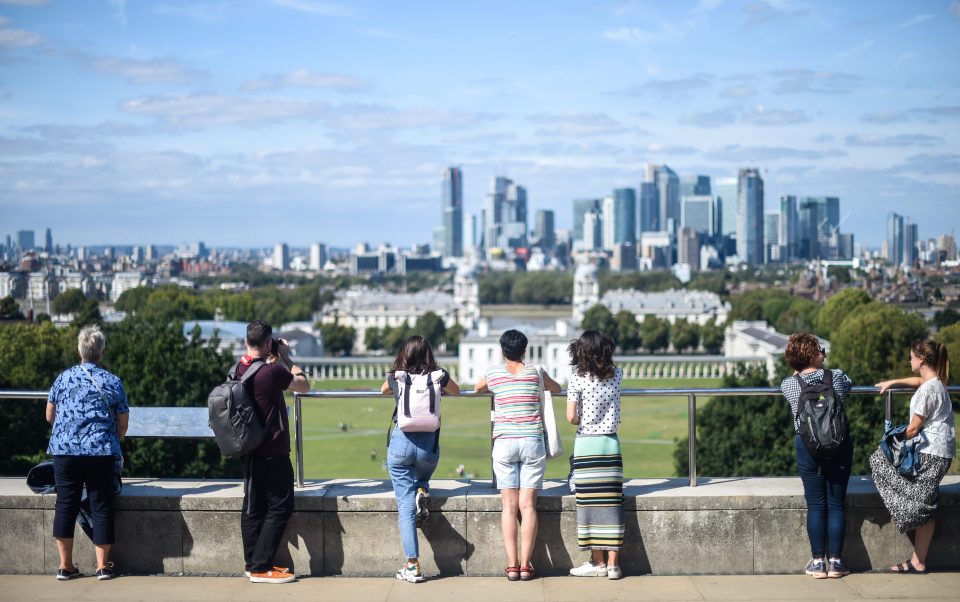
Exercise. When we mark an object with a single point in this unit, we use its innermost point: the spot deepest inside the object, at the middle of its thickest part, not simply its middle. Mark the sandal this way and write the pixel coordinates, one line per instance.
(513, 573)
(905, 568)
(530, 573)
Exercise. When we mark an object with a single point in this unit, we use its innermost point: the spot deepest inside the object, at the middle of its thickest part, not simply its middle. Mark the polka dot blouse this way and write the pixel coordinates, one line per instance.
(598, 403)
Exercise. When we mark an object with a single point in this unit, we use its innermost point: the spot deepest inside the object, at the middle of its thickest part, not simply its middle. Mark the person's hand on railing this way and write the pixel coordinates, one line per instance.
(910, 381)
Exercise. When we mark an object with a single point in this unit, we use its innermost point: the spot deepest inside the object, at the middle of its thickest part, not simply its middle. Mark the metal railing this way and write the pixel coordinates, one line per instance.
(690, 393)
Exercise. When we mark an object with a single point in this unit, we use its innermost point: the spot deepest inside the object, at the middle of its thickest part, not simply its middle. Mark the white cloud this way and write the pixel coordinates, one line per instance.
(793, 81)
(738, 91)
(328, 9)
(11, 38)
(577, 124)
(898, 140)
(215, 110)
(772, 117)
(635, 35)
(304, 78)
(671, 88)
(143, 71)
(736, 153)
(915, 20)
(711, 119)
(25, 2)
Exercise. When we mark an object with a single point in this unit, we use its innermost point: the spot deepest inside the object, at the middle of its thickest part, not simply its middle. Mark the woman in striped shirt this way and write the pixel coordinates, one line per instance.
(519, 456)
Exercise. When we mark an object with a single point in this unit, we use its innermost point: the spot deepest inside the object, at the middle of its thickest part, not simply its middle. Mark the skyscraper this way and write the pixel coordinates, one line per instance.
(48, 246)
(808, 229)
(25, 240)
(694, 185)
(545, 229)
(318, 256)
(668, 196)
(625, 216)
(772, 245)
(281, 256)
(698, 212)
(493, 211)
(514, 227)
(910, 240)
(725, 189)
(649, 206)
(895, 239)
(788, 226)
(592, 230)
(580, 208)
(688, 248)
(750, 216)
(452, 195)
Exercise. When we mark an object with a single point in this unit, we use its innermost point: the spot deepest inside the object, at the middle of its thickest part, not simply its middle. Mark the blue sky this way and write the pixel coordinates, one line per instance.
(252, 121)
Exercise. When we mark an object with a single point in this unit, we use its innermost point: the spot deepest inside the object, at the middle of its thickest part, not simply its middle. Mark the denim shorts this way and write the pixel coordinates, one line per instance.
(519, 462)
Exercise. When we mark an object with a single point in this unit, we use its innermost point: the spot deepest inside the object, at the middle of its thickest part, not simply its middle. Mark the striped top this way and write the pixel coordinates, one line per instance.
(516, 402)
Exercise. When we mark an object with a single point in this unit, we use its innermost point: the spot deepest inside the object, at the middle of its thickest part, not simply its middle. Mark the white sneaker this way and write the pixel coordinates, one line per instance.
(410, 572)
(614, 572)
(588, 569)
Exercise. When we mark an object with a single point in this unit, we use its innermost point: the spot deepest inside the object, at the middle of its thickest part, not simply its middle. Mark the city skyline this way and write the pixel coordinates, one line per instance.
(160, 123)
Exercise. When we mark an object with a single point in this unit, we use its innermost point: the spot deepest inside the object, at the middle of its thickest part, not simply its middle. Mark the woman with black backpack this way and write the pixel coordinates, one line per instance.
(824, 449)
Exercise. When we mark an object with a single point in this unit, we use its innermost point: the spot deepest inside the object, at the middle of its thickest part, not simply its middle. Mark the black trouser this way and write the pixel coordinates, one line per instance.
(71, 474)
(267, 506)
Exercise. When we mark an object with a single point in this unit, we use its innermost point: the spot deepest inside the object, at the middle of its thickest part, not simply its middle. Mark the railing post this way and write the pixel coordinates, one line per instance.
(298, 427)
(692, 435)
(888, 406)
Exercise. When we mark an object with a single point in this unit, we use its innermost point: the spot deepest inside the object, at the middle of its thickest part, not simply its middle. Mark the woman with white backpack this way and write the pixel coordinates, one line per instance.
(416, 382)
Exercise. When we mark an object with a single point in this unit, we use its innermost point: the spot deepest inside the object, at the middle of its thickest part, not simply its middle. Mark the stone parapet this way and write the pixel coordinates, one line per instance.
(349, 527)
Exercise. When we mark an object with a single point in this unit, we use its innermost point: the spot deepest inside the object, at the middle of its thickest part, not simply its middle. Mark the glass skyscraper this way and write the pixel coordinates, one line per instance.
(452, 212)
(750, 216)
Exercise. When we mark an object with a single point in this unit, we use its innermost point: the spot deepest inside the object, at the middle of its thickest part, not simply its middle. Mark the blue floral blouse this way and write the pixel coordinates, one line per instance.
(84, 425)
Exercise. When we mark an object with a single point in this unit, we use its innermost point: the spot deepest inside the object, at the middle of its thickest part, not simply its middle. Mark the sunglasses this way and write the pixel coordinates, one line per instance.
(822, 350)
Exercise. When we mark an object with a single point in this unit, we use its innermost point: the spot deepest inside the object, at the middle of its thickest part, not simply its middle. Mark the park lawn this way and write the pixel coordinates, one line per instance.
(648, 430)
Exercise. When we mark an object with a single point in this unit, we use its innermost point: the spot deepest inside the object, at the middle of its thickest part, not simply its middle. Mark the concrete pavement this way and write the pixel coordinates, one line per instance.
(728, 588)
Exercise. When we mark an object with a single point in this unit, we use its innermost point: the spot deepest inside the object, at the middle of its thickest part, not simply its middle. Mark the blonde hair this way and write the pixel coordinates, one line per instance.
(934, 354)
(90, 343)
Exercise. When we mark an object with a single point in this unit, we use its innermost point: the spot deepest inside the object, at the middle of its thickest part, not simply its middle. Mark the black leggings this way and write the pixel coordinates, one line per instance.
(71, 474)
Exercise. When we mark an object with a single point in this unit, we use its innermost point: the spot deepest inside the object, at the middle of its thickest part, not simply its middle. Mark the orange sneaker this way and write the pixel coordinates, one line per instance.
(273, 576)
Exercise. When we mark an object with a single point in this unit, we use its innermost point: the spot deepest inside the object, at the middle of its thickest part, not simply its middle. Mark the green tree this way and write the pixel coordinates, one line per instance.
(838, 307)
(800, 315)
(394, 336)
(685, 335)
(950, 336)
(600, 319)
(431, 327)
(655, 333)
(338, 339)
(134, 299)
(742, 436)
(712, 336)
(945, 317)
(453, 337)
(839, 273)
(373, 338)
(9, 310)
(628, 331)
(68, 302)
(88, 314)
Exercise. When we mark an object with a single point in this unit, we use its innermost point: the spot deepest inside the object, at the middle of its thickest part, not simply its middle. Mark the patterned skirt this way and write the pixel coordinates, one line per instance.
(911, 503)
(598, 476)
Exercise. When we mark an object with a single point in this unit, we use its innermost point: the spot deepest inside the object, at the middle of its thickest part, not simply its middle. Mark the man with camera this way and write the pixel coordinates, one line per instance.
(268, 473)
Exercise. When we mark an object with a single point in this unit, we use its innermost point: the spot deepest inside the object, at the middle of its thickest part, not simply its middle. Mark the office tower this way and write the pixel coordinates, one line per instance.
(607, 223)
(910, 240)
(318, 256)
(725, 189)
(281, 256)
(845, 246)
(580, 208)
(108, 253)
(750, 216)
(514, 227)
(772, 246)
(81, 253)
(688, 248)
(694, 186)
(667, 186)
(625, 216)
(808, 229)
(151, 253)
(25, 240)
(470, 235)
(946, 247)
(895, 239)
(48, 240)
(137, 255)
(453, 212)
(648, 207)
(789, 226)
(545, 229)
(592, 231)
(493, 211)
(698, 213)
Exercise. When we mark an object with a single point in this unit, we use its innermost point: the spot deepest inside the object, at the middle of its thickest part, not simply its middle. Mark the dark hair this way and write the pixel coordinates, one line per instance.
(513, 343)
(592, 354)
(258, 333)
(415, 356)
(934, 354)
(802, 349)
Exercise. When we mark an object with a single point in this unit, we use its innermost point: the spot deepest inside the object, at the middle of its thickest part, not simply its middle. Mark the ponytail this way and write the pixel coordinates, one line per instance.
(934, 355)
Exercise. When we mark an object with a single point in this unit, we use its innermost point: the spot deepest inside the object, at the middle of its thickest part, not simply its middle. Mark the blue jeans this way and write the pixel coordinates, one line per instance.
(411, 459)
(825, 489)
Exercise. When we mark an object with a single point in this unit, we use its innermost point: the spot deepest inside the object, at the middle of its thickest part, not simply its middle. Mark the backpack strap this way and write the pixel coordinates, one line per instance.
(395, 387)
(408, 382)
(433, 393)
(256, 365)
(828, 377)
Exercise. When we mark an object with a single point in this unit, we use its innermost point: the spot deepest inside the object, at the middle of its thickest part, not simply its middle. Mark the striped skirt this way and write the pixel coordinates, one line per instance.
(598, 476)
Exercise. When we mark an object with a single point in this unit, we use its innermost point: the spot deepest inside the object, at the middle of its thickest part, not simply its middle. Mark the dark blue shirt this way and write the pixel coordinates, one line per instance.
(85, 425)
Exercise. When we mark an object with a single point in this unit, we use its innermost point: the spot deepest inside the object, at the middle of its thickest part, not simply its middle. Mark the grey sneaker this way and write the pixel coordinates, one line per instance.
(588, 569)
(410, 573)
(816, 567)
(106, 572)
(836, 569)
(614, 572)
(423, 498)
(68, 574)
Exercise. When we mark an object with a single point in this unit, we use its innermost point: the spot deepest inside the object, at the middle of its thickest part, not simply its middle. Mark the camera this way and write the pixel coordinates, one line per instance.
(274, 345)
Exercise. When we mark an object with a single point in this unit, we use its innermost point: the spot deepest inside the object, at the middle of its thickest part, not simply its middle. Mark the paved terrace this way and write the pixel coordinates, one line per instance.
(347, 527)
(786, 588)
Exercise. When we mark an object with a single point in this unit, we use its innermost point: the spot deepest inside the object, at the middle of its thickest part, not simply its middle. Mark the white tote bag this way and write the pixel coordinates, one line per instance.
(551, 436)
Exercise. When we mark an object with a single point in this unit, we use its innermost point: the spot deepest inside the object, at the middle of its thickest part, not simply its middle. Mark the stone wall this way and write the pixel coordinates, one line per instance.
(348, 527)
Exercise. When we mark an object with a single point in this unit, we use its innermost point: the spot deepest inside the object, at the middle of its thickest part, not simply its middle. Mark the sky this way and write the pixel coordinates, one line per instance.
(250, 122)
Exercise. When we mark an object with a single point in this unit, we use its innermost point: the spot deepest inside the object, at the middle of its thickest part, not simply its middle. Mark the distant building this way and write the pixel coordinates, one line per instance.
(895, 236)
(124, 281)
(318, 256)
(452, 208)
(773, 248)
(911, 238)
(788, 224)
(25, 240)
(667, 189)
(13, 284)
(750, 216)
(581, 207)
(688, 248)
(757, 339)
(281, 256)
(41, 286)
(546, 347)
(545, 229)
(725, 190)
(698, 213)
(656, 250)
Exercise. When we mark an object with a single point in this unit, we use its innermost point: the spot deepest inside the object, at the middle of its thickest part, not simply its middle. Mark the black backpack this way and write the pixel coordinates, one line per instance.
(823, 423)
(233, 417)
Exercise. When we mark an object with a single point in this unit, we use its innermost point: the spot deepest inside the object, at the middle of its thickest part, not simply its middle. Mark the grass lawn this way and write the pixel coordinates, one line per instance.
(649, 426)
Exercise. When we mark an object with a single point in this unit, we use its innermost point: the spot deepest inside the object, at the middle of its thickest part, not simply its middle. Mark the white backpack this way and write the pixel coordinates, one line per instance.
(418, 400)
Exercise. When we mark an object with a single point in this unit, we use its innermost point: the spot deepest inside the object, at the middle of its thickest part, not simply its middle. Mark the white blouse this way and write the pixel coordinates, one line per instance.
(933, 403)
(598, 403)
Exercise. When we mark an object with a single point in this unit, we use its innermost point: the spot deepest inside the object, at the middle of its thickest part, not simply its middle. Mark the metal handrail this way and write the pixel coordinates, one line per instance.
(690, 393)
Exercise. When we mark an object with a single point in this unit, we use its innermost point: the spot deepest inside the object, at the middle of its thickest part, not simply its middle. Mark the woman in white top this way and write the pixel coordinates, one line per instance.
(913, 503)
(593, 404)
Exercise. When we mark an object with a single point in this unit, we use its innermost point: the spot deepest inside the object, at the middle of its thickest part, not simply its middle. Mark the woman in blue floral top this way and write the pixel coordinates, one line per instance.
(88, 410)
